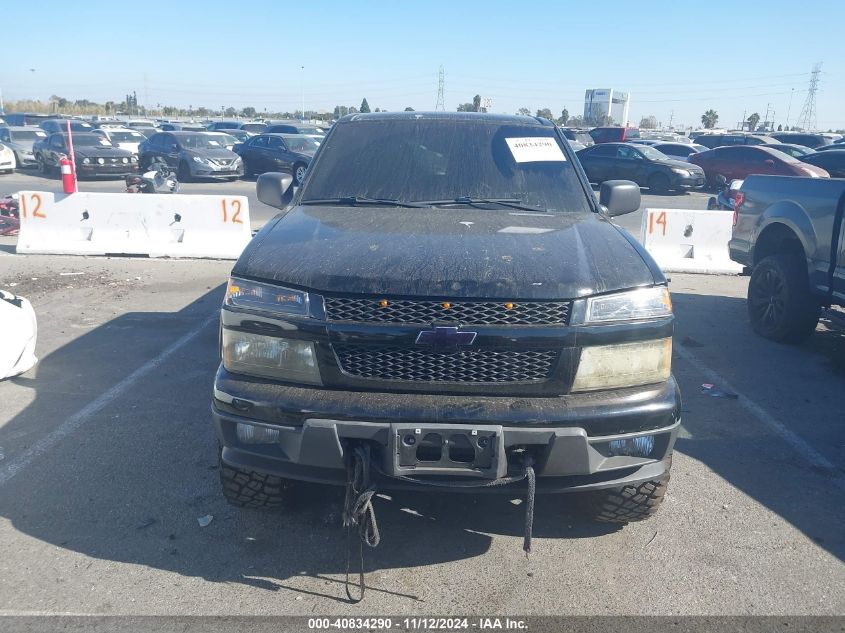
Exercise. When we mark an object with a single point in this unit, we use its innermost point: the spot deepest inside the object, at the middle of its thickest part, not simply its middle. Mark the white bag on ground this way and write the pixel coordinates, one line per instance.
(18, 331)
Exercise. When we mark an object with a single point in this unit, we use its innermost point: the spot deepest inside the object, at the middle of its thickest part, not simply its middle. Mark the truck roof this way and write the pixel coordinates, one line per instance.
(448, 116)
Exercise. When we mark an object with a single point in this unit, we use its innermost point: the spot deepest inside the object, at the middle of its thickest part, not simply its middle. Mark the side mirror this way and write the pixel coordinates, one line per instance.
(770, 162)
(275, 189)
(721, 180)
(619, 197)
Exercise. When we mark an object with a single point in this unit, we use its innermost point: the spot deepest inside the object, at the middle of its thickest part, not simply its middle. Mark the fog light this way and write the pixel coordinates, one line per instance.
(632, 446)
(249, 434)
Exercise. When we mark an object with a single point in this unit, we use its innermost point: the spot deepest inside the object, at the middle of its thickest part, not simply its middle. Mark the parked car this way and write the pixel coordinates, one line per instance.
(20, 139)
(146, 131)
(739, 162)
(645, 141)
(124, 138)
(796, 151)
(253, 127)
(277, 152)
(240, 136)
(801, 138)
(734, 138)
(827, 148)
(613, 134)
(642, 164)
(93, 155)
(52, 126)
(510, 343)
(141, 123)
(192, 155)
(679, 151)
(831, 162)
(787, 234)
(575, 134)
(227, 140)
(17, 119)
(310, 131)
(7, 159)
(181, 127)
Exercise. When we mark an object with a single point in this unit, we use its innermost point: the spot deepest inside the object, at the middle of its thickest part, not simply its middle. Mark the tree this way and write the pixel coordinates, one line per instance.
(476, 103)
(649, 122)
(249, 113)
(340, 111)
(524, 112)
(709, 119)
(780, 128)
(545, 113)
(564, 116)
(409, 109)
(466, 107)
(365, 107)
(230, 112)
(577, 121)
(752, 121)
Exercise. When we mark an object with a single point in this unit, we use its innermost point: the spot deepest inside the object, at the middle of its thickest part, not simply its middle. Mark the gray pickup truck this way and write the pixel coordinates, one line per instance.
(788, 232)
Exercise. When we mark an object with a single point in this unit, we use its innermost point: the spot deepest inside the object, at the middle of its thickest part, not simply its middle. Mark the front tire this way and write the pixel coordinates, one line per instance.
(658, 184)
(628, 503)
(184, 172)
(780, 305)
(299, 173)
(248, 489)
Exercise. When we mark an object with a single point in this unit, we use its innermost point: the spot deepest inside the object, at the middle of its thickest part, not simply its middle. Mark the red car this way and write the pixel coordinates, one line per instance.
(613, 134)
(740, 161)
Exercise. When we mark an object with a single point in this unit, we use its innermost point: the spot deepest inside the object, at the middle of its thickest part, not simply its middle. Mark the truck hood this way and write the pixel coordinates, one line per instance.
(460, 253)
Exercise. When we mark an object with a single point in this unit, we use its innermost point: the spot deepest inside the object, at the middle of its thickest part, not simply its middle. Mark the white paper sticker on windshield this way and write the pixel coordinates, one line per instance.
(533, 149)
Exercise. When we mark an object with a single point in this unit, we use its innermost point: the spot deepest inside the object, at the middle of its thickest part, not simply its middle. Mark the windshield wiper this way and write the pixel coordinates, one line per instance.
(354, 201)
(511, 203)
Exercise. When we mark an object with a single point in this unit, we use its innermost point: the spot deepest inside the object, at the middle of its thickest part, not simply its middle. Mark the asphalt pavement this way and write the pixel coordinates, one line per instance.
(108, 460)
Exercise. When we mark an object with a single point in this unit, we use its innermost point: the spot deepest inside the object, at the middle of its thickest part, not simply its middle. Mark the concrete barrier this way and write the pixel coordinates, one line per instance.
(215, 227)
(689, 241)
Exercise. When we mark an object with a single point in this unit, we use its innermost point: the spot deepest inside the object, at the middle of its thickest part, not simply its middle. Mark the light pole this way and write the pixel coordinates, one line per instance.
(791, 92)
(302, 89)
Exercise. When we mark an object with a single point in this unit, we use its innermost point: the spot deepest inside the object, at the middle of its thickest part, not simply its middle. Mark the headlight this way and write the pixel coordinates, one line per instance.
(269, 357)
(133, 159)
(200, 160)
(101, 161)
(125, 161)
(623, 365)
(645, 303)
(252, 294)
(86, 161)
(682, 172)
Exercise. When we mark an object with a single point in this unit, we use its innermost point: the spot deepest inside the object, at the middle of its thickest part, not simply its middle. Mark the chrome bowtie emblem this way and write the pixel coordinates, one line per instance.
(445, 336)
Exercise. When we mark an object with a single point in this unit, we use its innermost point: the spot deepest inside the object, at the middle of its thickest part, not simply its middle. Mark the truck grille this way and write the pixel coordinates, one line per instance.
(468, 312)
(426, 365)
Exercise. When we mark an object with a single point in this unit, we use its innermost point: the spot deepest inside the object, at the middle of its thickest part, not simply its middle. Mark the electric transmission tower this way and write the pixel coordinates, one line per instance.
(441, 86)
(807, 118)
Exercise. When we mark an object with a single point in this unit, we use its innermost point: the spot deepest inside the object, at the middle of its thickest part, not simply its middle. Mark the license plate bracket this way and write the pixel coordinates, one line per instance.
(447, 449)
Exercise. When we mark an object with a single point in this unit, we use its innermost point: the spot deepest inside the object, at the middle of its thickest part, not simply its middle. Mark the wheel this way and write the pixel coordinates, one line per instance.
(184, 172)
(780, 305)
(299, 173)
(247, 489)
(42, 166)
(628, 503)
(658, 184)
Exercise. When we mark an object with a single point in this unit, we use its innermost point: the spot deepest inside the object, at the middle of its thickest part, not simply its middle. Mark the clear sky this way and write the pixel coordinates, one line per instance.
(677, 59)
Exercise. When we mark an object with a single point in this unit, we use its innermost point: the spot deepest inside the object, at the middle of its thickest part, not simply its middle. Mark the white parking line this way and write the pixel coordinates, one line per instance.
(810, 454)
(79, 418)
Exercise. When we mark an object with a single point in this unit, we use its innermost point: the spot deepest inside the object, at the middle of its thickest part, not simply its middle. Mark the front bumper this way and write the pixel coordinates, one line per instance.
(205, 171)
(688, 182)
(94, 169)
(568, 437)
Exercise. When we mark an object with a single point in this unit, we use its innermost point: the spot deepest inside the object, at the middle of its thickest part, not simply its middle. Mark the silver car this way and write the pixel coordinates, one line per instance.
(20, 139)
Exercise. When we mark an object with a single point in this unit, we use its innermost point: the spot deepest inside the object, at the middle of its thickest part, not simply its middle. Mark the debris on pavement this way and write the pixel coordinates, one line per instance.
(205, 521)
(145, 523)
(713, 390)
(69, 274)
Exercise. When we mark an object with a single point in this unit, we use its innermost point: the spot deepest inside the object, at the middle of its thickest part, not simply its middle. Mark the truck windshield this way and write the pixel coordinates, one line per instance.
(418, 160)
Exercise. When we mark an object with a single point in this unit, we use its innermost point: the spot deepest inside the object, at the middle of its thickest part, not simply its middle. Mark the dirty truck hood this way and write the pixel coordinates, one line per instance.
(455, 252)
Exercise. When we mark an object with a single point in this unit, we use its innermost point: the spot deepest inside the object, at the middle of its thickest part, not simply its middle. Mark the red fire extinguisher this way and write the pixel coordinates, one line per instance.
(68, 178)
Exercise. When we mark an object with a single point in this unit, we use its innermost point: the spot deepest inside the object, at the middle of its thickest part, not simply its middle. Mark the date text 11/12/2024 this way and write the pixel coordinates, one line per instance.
(417, 624)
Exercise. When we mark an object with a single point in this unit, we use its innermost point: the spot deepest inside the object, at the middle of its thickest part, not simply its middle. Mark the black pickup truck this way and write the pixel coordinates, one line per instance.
(446, 291)
(788, 233)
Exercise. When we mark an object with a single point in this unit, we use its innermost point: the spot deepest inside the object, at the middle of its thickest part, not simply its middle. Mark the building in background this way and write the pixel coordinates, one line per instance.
(612, 103)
